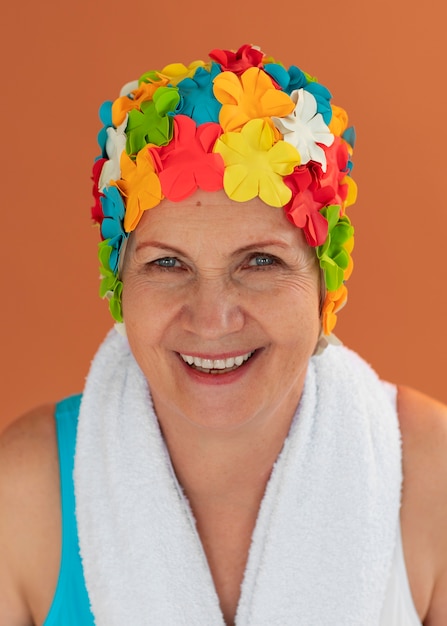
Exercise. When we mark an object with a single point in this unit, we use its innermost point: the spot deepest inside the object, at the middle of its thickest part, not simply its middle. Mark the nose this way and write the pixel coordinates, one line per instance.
(213, 309)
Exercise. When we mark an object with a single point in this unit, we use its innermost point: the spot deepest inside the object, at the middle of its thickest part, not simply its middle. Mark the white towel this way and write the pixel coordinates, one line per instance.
(323, 544)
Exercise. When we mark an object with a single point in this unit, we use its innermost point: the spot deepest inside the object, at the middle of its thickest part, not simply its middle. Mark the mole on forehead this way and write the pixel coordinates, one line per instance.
(198, 203)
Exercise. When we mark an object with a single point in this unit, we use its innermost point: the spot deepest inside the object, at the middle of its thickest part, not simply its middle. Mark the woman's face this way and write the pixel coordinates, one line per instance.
(221, 306)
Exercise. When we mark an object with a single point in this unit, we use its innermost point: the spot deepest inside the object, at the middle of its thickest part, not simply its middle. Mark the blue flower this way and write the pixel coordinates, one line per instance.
(105, 115)
(296, 79)
(112, 225)
(280, 75)
(197, 99)
(323, 97)
(349, 136)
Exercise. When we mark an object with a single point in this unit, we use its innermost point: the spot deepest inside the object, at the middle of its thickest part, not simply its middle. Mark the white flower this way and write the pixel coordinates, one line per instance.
(304, 128)
(115, 145)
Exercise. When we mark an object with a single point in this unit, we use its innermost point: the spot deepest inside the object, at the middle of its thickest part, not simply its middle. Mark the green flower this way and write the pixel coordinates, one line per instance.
(334, 254)
(110, 286)
(152, 124)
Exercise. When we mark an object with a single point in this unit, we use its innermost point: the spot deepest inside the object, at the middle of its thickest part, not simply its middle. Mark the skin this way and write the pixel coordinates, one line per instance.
(185, 294)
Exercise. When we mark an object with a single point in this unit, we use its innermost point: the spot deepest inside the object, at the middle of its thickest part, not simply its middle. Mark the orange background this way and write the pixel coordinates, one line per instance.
(383, 61)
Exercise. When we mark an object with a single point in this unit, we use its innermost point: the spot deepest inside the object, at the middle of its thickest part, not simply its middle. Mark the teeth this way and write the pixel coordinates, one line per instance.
(216, 364)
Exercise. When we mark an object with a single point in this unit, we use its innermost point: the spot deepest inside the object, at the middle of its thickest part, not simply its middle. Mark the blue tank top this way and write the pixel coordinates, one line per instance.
(70, 606)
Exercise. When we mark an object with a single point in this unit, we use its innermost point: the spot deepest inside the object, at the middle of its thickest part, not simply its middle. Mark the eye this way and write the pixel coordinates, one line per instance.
(262, 260)
(167, 262)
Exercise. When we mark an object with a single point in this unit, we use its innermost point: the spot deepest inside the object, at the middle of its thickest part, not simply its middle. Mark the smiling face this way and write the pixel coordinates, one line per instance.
(221, 305)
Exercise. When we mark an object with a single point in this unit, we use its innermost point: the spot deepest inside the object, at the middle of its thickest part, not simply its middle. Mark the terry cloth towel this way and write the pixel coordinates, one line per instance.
(323, 544)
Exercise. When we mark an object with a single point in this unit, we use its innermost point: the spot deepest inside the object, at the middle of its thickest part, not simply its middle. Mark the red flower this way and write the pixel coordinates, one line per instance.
(304, 211)
(313, 189)
(188, 162)
(337, 157)
(97, 215)
(308, 197)
(237, 62)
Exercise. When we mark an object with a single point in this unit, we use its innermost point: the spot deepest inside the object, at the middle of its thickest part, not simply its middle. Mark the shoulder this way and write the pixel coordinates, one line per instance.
(29, 513)
(423, 424)
(27, 449)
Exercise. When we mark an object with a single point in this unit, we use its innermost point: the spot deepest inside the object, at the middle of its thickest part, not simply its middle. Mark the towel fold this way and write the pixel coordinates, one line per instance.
(324, 539)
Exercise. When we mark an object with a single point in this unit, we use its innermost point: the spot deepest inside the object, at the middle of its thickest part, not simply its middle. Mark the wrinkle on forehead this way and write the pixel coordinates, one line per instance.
(210, 220)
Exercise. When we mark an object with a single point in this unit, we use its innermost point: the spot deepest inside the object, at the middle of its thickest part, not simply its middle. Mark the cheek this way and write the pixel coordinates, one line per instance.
(296, 310)
(141, 311)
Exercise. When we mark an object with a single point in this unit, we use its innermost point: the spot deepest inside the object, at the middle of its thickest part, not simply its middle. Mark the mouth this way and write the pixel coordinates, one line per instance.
(216, 366)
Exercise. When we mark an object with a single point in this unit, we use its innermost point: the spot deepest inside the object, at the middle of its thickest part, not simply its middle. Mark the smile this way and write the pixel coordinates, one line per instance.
(216, 366)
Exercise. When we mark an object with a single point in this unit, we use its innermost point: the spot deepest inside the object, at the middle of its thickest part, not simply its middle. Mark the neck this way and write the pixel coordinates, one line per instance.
(225, 464)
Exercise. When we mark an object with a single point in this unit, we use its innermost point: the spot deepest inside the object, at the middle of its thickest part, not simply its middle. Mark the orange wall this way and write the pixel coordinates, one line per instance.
(384, 61)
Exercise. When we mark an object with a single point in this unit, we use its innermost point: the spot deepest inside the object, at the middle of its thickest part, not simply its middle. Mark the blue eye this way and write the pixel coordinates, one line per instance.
(166, 262)
(262, 260)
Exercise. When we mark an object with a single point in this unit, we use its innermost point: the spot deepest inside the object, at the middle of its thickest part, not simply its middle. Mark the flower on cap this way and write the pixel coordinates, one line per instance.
(339, 121)
(97, 215)
(110, 286)
(188, 163)
(151, 123)
(237, 62)
(197, 100)
(333, 302)
(133, 100)
(112, 225)
(140, 185)
(336, 176)
(294, 78)
(115, 146)
(250, 96)
(175, 72)
(105, 115)
(307, 199)
(334, 254)
(255, 164)
(304, 128)
(351, 196)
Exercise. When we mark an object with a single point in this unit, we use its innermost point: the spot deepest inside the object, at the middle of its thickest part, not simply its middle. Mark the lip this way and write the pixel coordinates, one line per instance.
(219, 356)
(219, 379)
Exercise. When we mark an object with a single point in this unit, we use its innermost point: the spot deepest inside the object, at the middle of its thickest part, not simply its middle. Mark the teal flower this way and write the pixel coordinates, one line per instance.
(197, 99)
(105, 115)
(294, 79)
(113, 210)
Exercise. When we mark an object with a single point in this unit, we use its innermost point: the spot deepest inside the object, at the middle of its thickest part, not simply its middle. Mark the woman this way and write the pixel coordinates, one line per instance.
(260, 480)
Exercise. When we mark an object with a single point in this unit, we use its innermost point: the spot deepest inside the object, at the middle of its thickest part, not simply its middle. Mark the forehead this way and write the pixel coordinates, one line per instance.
(213, 219)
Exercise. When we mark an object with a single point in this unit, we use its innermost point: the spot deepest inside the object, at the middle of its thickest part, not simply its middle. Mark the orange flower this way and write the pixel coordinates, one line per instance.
(334, 301)
(140, 185)
(250, 96)
(339, 121)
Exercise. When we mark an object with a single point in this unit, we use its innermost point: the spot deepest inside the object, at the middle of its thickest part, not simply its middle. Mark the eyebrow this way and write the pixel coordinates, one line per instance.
(248, 248)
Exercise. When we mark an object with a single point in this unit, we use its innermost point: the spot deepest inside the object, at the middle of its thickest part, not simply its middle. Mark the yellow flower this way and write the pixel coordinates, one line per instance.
(334, 301)
(175, 72)
(124, 104)
(139, 185)
(255, 164)
(351, 198)
(250, 96)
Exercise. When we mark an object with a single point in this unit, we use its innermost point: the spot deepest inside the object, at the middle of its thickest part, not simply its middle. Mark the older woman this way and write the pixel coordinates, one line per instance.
(231, 465)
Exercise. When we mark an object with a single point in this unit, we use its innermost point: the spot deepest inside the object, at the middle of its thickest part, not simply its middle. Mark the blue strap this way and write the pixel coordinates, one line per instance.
(70, 606)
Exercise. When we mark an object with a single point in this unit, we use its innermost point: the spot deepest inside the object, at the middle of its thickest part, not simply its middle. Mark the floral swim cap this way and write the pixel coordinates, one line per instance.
(241, 122)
